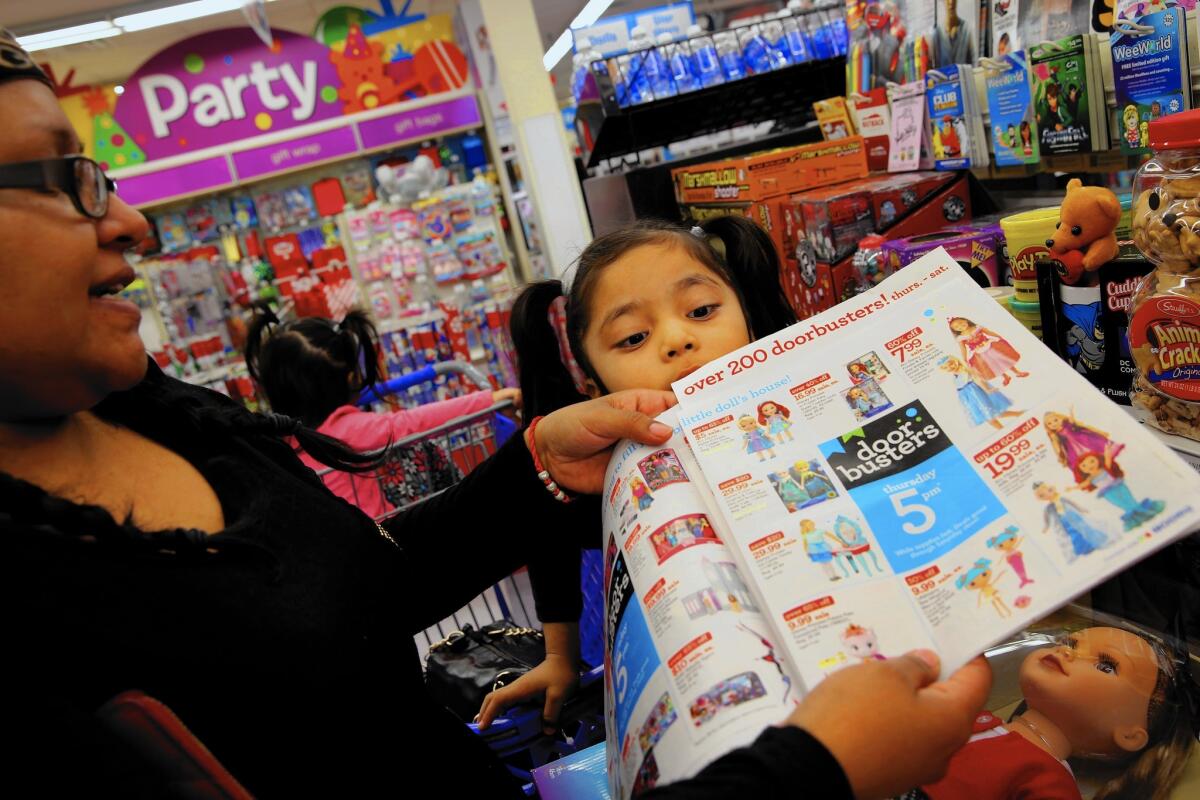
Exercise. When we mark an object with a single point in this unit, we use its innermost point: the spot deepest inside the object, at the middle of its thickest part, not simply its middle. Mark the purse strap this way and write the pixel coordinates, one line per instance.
(496, 633)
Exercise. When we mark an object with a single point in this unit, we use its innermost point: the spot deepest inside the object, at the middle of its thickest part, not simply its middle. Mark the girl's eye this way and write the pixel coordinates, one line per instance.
(703, 312)
(632, 341)
(1106, 664)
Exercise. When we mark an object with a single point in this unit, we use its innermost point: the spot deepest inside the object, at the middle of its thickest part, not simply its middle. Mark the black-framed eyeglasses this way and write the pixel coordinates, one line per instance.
(80, 177)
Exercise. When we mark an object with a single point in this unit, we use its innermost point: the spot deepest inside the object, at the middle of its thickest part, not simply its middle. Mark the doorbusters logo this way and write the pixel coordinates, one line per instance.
(889, 445)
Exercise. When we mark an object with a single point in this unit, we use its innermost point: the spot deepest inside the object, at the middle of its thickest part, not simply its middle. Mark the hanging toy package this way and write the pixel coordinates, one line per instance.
(1164, 321)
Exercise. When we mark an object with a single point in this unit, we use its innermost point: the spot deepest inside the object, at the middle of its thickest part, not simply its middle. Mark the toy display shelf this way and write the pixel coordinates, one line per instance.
(785, 95)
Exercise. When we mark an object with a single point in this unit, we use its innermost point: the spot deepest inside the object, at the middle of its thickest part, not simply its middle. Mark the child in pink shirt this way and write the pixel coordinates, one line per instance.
(314, 369)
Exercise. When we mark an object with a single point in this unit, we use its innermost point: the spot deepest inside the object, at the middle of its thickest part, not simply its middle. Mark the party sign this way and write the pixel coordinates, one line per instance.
(223, 86)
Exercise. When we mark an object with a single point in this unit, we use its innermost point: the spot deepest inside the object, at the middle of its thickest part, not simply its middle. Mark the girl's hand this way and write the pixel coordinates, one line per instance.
(555, 679)
(575, 442)
(915, 725)
(506, 395)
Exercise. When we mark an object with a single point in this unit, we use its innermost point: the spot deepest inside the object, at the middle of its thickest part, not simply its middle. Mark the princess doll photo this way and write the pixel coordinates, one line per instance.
(755, 439)
(1101, 475)
(1008, 542)
(776, 419)
(979, 578)
(1077, 534)
(987, 353)
(980, 402)
(1070, 439)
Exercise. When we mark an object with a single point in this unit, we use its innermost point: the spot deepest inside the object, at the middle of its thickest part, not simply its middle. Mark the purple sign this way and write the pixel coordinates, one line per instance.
(297, 152)
(199, 176)
(224, 86)
(419, 123)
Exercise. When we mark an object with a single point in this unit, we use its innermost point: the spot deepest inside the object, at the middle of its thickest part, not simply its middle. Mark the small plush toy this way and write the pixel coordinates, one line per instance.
(1086, 233)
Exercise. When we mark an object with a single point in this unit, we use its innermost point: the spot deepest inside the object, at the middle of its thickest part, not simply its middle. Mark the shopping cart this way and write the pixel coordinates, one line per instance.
(420, 466)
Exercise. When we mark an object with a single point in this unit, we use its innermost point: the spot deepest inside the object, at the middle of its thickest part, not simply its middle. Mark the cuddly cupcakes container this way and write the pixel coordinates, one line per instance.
(1164, 319)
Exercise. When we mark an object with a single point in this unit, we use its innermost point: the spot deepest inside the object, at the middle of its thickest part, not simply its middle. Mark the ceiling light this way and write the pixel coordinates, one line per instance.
(178, 13)
(63, 33)
(63, 41)
(562, 45)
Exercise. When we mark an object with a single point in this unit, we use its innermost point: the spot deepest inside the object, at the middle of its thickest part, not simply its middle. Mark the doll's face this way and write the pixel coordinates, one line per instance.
(952, 365)
(1046, 493)
(1089, 465)
(807, 525)
(747, 424)
(856, 394)
(800, 466)
(1054, 422)
(981, 580)
(1096, 687)
(958, 325)
(862, 644)
(769, 409)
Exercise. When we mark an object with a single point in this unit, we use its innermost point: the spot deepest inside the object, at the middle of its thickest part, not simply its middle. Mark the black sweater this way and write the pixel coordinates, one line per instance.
(285, 641)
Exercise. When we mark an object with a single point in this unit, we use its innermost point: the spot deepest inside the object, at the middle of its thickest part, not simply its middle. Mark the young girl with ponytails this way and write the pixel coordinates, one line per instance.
(645, 306)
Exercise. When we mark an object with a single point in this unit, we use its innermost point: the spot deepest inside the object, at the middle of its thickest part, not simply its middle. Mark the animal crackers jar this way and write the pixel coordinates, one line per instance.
(1164, 319)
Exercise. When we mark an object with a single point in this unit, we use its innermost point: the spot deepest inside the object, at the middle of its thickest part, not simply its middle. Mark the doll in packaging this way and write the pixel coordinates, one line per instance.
(1103, 693)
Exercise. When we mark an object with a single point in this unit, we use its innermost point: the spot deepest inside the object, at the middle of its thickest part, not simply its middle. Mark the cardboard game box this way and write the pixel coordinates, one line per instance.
(777, 172)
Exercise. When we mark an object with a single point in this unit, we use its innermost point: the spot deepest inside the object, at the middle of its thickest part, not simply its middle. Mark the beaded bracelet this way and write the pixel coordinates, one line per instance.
(542, 472)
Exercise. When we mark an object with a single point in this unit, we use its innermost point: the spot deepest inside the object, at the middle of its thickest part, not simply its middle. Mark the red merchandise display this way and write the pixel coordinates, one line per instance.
(777, 172)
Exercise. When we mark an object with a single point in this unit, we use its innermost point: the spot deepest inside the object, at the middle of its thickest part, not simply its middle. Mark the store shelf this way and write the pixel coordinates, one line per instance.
(784, 95)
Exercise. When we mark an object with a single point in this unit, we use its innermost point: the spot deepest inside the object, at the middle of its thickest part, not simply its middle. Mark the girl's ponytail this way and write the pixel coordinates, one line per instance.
(749, 256)
(360, 348)
(546, 383)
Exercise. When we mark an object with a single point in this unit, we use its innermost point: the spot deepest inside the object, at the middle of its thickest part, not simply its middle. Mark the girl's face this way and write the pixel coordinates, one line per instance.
(657, 315)
(958, 325)
(63, 345)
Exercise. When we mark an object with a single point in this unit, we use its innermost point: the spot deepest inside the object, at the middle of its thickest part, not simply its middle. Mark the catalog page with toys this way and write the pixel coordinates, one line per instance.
(909, 469)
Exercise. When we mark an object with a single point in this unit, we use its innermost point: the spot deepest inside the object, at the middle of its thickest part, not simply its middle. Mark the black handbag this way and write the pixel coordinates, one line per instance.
(461, 669)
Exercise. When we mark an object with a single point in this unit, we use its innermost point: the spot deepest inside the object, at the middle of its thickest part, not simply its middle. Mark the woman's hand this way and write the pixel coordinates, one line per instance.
(555, 679)
(574, 443)
(889, 725)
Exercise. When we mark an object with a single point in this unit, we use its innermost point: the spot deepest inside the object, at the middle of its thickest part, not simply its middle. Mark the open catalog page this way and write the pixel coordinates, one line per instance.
(691, 668)
(909, 469)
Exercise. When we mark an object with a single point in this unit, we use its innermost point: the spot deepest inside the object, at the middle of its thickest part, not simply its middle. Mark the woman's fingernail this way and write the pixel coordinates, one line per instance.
(658, 429)
(929, 657)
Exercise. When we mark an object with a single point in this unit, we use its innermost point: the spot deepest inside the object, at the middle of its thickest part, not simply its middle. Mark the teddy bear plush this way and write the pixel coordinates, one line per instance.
(1085, 237)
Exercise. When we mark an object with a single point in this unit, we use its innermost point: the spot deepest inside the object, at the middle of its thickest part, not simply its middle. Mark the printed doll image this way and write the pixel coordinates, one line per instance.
(680, 534)
(662, 716)
(866, 367)
(755, 439)
(979, 578)
(1076, 533)
(980, 402)
(855, 544)
(866, 399)
(858, 372)
(812, 479)
(641, 493)
(662, 468)
(862, 643)
(770, 658)
(1008, 542)
(1102, 476)
(790, 491)
(1103, 694)
(733, 691)
(989, 355)
(819, 546)
(1071, 439)
(776, 419)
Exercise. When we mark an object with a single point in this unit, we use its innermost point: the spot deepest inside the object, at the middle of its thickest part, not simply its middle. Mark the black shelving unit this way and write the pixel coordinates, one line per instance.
(605, 130)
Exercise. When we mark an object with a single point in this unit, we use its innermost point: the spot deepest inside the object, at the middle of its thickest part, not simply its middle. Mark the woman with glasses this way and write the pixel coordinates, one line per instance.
(159, 537)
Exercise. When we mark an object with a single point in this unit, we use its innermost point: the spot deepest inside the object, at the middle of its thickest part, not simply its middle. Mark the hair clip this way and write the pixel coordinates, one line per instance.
(698, 232)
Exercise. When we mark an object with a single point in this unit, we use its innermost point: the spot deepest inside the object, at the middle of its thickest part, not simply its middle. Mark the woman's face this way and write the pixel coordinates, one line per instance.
(63, 345)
